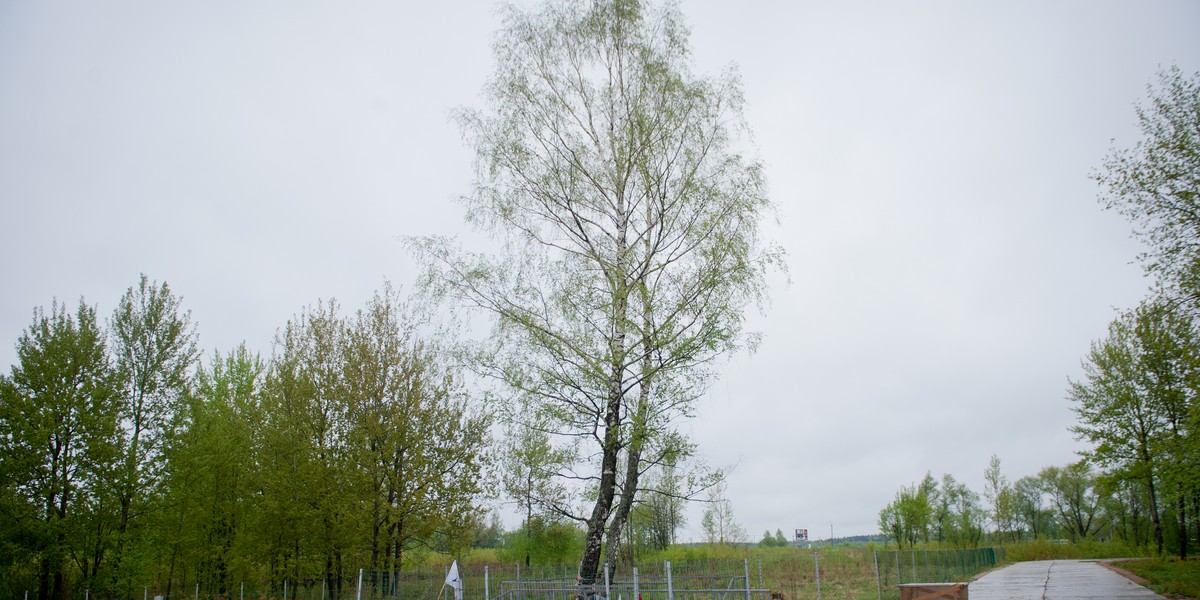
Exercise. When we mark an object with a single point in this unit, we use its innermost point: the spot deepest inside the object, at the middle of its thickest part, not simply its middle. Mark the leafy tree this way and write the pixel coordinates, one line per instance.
(426, 448)
(154, 348)
(1073, 494)
(211, 483)
(767, 541)
(1171, 359)
(891, 522)
(999, 495)
(1124, 506)
(305, 470)
(665, 502)
(773, 541)
(1138, 386)
(489, 533)
(551, 541)
(1156, 183)
(718, 523)
(907, 518)
(58, 434)
(1029, 508)
(965, 515)
(531, 467)
(630, 226)
(780, 540)
(368, 445)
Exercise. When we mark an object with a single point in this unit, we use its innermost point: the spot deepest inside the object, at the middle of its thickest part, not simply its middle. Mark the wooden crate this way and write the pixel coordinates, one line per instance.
(933, 591)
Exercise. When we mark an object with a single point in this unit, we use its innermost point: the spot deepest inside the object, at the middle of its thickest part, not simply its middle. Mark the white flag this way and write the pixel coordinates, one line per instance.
(454, 581)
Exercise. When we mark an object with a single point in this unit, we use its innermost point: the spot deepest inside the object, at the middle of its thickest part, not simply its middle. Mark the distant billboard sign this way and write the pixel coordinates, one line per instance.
(801, 535)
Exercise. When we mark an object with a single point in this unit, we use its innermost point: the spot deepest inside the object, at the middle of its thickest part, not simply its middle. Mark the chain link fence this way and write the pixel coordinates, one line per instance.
(855, 574)
(834, 573)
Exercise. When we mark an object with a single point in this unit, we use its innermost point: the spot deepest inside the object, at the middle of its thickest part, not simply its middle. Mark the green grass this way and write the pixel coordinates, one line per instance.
(1168, 575)
(1043, 549)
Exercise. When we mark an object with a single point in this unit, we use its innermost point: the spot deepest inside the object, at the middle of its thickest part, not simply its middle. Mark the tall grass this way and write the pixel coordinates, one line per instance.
(1179, 578)
(1043, 549)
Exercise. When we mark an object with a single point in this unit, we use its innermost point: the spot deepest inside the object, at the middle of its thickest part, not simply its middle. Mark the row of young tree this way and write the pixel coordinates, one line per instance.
(1071, 502)
(1138, 400)
(126, 460)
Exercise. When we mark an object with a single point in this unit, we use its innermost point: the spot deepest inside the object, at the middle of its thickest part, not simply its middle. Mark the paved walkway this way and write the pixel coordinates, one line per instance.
(1056, 580)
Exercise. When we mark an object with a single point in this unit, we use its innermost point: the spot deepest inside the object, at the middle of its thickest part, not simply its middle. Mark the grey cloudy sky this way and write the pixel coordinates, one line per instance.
(930, 161)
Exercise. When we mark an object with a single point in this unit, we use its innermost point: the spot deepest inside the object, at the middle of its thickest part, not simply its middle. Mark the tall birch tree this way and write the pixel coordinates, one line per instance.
(613, 179)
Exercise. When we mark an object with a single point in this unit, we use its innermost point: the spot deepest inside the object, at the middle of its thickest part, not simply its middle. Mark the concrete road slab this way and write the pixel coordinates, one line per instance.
(1057, 580)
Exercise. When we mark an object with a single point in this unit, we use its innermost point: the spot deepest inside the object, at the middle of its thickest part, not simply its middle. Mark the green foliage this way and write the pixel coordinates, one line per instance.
(544, 541)
(718, 523)
(58, 446)
(214, 473)
(1137, 405)
(1073, 497)
(489, 532)
(1053, 549)
(767, 541)
(154, 349)
(1173, 578)
(355, 445)
(1156, 183)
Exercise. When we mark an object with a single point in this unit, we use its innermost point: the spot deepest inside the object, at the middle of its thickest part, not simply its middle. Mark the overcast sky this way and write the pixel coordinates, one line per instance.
(930, 160)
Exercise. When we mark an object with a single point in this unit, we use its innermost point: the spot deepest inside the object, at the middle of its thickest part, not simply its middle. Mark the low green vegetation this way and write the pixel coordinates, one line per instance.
(1168, 576)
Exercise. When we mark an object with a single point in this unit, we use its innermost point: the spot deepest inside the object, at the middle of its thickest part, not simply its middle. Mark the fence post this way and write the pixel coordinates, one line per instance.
(746, 564)
(760, 580)
(899, 573)
(607, 592)
(670, 583)
(487, 591)
(636, 593)
(360, 584)
(817, 568)
(878, 586)
(145, 592)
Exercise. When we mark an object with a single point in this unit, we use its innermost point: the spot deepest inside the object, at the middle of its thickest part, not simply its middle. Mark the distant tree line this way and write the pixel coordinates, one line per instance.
(1071, 502)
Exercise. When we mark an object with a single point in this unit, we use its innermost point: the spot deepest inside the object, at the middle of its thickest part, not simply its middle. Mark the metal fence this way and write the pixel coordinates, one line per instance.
(656, 582)
(820, 574)
(642, 584)
(855, 574)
